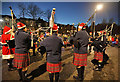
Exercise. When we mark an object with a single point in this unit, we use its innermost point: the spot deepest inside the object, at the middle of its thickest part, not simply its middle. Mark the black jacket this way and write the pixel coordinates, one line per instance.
(83, 39)
(22, 42)
(53, 45)
(100, 43)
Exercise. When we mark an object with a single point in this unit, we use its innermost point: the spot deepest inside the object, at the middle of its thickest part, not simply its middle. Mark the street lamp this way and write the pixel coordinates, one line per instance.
(99, 7)
(1, 20)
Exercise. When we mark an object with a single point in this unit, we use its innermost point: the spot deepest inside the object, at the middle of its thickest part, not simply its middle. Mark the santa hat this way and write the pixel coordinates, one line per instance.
(55, 27)
(81, 25)
(20, 25)
(90, 33)
(47, 33)
(6, 30)
(101, 32)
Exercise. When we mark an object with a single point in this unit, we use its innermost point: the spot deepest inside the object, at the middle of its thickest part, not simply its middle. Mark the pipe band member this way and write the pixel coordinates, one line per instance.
(80, 41)
(97, 53)
(23, 44)
(100, 51)
(53, 45)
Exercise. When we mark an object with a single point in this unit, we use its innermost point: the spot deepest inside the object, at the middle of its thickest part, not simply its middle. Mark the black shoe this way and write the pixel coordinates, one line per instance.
(98, 69)
(11, 69)
(24, 78)
(78, 78)
(20, 79)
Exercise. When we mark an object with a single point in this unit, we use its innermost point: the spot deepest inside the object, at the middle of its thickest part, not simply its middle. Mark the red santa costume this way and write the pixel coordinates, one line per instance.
(7, 53)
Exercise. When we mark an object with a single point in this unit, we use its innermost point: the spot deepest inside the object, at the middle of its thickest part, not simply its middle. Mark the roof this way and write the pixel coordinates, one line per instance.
(7, 16)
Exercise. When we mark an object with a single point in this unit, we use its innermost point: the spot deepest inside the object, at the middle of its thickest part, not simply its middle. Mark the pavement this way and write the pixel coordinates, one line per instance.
(37, 69)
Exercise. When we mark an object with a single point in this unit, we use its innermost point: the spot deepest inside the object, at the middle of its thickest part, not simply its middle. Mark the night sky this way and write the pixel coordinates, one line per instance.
(70, 12)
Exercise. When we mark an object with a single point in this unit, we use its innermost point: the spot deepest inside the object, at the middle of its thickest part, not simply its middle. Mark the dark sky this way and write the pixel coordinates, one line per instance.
(71, 12)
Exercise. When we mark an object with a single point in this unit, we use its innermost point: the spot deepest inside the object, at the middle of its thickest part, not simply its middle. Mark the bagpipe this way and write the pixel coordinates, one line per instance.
(51, 22)
(98, 44)
(42, 49)
(11, 42)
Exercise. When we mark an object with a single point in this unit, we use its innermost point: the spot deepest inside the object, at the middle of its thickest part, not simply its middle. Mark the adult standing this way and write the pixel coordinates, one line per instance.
(23, 43)
(53, 45)
(7, 53)
(80, 41)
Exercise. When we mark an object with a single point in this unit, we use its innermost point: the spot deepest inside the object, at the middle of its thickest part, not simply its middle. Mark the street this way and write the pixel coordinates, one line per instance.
(37, 69)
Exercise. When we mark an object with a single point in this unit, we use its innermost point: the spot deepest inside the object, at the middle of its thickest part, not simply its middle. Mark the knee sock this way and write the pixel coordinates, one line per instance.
(51, 76)
(11, 65)
(100, 64)
(24, 78)
(81, 71)
(56, 76)
(20, 73)
(26, 73)
(8, 62)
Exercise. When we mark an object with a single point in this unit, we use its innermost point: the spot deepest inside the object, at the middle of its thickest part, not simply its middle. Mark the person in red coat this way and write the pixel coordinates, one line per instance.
(7, 52)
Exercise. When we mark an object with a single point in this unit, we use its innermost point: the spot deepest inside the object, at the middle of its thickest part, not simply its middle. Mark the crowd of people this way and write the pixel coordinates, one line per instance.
(18, 56)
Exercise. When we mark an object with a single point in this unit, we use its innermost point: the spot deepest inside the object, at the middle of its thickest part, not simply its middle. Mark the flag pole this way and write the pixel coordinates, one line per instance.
(52, 20)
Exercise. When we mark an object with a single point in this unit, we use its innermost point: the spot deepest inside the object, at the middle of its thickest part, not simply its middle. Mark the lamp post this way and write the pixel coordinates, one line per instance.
(99, 7)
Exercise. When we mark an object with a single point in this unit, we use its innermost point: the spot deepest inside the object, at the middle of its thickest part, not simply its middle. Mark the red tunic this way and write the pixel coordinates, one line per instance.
(6, 52)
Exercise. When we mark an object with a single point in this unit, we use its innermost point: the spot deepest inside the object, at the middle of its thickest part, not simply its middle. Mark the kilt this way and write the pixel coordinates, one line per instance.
(21, 60)
(80, 59)
(98, 56)
(52, 68)
(95, 54)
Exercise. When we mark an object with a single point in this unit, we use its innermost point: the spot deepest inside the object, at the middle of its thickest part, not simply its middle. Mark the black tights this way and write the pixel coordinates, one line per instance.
(81, 71)
(22, 74)
(51, 76)
(9, 61)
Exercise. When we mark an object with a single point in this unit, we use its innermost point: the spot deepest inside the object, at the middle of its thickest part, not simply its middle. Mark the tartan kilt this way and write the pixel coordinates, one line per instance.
(21, 60)
(80, 59)
(52, 68)
(95, 54)
(98, 56)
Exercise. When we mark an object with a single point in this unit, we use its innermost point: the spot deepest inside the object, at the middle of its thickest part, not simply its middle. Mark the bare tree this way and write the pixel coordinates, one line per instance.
(111, 20)
(48, 14)
(34, 11)
(104, 21)
(22, 9)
